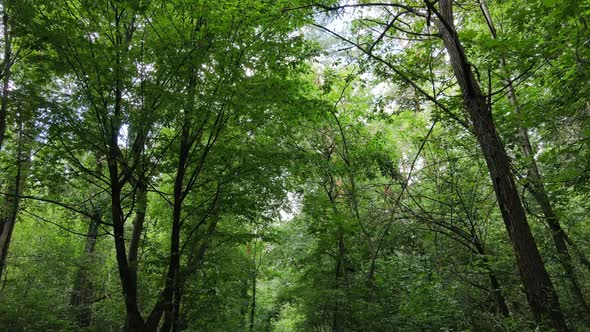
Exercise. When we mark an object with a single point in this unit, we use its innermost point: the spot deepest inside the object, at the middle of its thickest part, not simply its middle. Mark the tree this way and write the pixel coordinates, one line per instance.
(540, 293)
(537, 187)
(293, 166)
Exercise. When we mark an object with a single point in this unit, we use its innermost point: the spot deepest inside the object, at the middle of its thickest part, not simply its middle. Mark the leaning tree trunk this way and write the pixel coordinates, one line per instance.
(541, 295)
(537, 186)
(540, 194)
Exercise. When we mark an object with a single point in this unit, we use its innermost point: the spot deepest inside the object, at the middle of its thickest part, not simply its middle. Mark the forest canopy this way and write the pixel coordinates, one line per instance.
(294, 165)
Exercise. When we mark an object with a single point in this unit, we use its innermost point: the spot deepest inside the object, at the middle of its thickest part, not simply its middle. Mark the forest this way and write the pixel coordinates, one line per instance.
(294, 165)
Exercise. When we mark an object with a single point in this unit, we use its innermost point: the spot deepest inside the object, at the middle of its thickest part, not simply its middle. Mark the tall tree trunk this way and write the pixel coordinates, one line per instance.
(165, 299)
(176, 324)
(197, 252)
(139, 180)
(6, 72)
(537, 186)
(11, 203)
(141, 194)
(541, 295)
(189, 136)
(338, 323)
(133, 321)
(132, 257)
(82, 293)
(83, 290)
(540, 194)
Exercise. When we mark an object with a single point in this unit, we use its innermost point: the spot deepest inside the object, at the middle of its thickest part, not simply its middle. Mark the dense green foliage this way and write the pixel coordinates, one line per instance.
(194, 165)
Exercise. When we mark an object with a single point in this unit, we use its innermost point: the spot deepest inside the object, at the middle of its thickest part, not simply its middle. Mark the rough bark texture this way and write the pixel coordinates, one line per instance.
(541, 295)
(537, 186)
(11, 203)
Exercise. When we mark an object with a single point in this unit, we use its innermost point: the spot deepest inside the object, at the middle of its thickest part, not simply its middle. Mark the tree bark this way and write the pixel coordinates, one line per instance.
(537, 186)
(172, 316)
(11, 203)
(190, 135)
(6, 71)
(133, 321)
(165, 299)
(540, 194)
(141, 193)
(196, 257)
(82, 293)
(541, 295)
